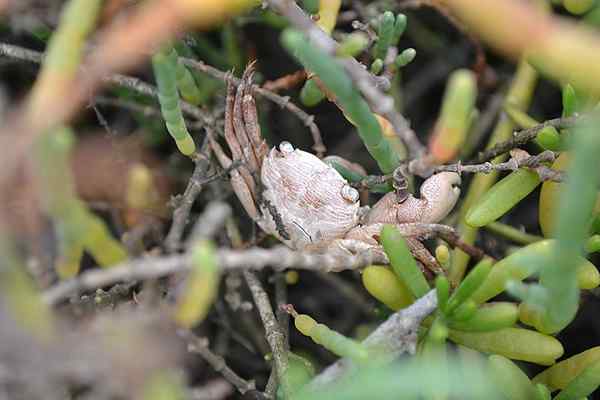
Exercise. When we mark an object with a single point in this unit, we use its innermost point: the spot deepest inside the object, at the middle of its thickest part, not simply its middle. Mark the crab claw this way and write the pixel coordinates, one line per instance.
(439, 194)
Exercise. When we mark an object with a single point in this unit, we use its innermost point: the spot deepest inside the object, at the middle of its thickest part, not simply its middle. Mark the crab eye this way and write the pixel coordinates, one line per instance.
(286, 147)
(349, 193)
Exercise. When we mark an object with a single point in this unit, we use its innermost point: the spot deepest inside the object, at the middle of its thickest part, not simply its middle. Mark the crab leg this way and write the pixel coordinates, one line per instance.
(367, 234)
(230, 136)
(259, 145)
(239, 126)
(242, 179)
(233, 143)
(243, 191)
(420, 252)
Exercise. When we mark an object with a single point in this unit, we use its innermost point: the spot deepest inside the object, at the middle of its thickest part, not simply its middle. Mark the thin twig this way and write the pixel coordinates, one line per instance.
(210, 222)
(532, 162)
(20, 53)
(366, 28)
(281, 295)
(521, 137)
(281, 101)
(368, 84)
(199, 346)
(451, 236)
(185, 203)
(511, 233)
(144, 109)
(216, 389)
(140, 86)
(397, 335)
(273, 333)
(130, 82)
(102, 119)
(284, 322)
(279, 257)
(286, 82)
(209, 218)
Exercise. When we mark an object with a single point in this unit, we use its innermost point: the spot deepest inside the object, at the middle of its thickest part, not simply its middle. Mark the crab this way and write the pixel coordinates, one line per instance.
(307, 204)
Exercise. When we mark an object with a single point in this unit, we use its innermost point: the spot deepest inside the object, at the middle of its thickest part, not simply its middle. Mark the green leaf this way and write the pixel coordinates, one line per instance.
(577, 203)
(470, 284)
(299, 372)
(377, 66)
(442, 288)
(386, 287)
(578, 7)
(584, 384)
(503, 196)
(510, 380)
(513, 343)
(558, 376)
(405, 57)
(352, 45)
(549, 138)
(455, 118)
(330, 339)
(201, 286)
(311, 95)
(385, 35)
(569, 100)
(520, 265)
(165, 66)
(489, 317)
(402, 261)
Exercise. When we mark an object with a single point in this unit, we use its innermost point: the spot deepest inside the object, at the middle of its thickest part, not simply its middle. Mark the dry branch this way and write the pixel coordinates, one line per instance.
(273, 332)
(130, 82)
(397, 335)
(532, 162)
(278, 257)
(524, 136)
(199, 346)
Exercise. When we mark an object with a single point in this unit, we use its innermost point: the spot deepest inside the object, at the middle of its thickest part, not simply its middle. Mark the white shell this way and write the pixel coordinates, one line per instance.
(307, 194)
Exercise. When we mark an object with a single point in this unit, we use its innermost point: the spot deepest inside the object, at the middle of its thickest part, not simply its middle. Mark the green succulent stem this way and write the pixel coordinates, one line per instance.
(64, 53)
(577, 204)
(165, 66)
(201, 286)
(519, 95)
(512, 233)
(348, 97)
(20, 296)
(77, 227)
(402, 261)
